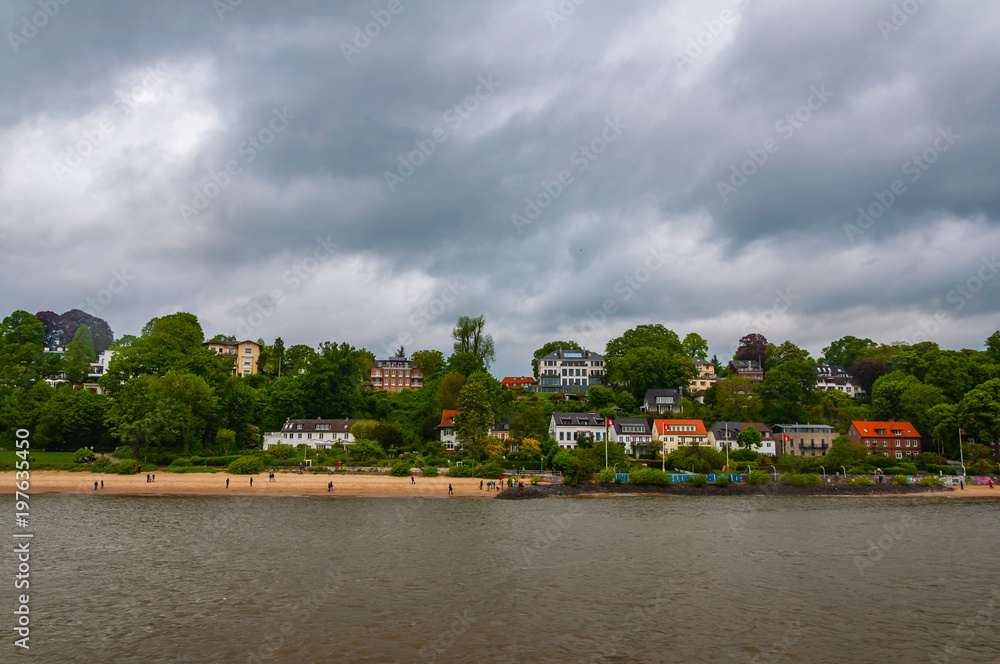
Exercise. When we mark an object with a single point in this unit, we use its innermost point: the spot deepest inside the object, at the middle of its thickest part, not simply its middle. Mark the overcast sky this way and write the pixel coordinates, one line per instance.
(568, 171)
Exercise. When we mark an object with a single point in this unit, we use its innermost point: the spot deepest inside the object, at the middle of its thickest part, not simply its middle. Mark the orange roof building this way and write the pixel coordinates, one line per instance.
(671, 434)
(898, 439)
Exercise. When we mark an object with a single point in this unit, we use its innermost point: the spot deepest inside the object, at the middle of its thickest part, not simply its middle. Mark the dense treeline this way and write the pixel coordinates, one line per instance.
(165, 392)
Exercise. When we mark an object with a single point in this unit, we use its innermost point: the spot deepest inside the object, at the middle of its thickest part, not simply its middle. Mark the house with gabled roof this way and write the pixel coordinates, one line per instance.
(662, 401)
(632, 432)
(321, 434)
(898, 439)
(671, 434)
(747, 369)
(564, 428)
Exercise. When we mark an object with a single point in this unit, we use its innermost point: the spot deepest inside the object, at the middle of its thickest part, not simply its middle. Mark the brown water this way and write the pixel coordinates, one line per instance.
(192, 579)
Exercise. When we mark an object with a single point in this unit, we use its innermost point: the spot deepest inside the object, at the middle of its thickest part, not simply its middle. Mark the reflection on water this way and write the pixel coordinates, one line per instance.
(199, 579)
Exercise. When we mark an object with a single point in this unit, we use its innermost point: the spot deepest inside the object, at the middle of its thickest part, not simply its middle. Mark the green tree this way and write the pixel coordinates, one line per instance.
(194, 404)
(749, 438)
(76, 363)
(846, 351)
(648, 356)
(470, 337)
(429, 362)
(86, 341)
(787, 390)
(993, 346)
(979, 411)
(448, 390)
(529, 421)
(786, 352)
(600, 397)
(364, 429)
(226, 439)
(695, 346)
(474, 419)
(465, 364)
(23, 360)
(72, 418)
(736, 400)
(550, 347)
(887, 395)
(628, 403)
(297, 360)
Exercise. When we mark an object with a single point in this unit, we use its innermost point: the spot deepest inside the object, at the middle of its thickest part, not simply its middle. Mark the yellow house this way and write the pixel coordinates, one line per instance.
(245, 354)
(706, 376)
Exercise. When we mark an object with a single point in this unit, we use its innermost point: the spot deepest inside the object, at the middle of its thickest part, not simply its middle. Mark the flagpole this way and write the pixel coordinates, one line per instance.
(961, 455)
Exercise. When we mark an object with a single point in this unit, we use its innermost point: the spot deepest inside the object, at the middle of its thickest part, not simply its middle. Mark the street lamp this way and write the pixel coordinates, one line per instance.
(824, 472)
(775, 473)
(663, 456)
(845, 471)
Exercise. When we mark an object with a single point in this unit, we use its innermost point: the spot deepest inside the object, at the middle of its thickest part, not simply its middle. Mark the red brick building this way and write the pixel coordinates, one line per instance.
(898, 439)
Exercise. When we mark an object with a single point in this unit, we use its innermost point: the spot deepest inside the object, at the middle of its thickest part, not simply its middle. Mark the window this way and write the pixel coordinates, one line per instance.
(899, 455)
(248, 350)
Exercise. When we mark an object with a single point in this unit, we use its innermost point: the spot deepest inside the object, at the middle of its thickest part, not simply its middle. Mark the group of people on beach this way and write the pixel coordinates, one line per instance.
(498, 484)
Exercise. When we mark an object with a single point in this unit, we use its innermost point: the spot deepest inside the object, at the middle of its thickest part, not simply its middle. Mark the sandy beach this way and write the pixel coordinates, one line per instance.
(214, 484)
(293, 484)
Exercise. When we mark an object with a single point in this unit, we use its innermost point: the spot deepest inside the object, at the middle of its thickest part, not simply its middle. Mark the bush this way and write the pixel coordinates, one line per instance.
(648, 476)
(281, 451)
(82, 455)
(488, 471)
(459, 471)
(102, 465)
(800, 479)
(430, 471)
(699, 480)
(862, 481)
(758, 477)
(744, 455)
(931, 481)
(247, 465)
(535, 479)
(607, 475)
(901, 480)
(401, 469)
(123, 452)
(124, 467)
(722, 480)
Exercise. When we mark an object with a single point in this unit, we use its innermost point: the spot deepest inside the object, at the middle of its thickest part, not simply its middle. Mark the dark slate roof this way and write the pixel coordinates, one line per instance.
(652, 394)
(632, 421)
(336, 426)
(578, 419)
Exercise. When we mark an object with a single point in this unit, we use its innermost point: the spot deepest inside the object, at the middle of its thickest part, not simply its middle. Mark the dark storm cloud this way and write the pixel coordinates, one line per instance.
(272, 127)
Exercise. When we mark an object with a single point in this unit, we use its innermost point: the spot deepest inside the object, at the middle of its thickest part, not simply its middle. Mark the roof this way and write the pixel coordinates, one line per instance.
(518, 379)
(803, 428)
(745, 365)
(572, 354)
(447, 418)
(666, 426)
(578, 419)
(632, 421)
(338, 426)
(868, 429)
(667, 392)
(230, 343)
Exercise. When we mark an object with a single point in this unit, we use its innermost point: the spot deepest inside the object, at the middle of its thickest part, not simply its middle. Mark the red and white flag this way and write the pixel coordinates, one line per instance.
(611, 422)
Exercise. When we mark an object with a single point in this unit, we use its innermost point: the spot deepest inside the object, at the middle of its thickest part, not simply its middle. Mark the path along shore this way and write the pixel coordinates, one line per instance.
(359, 485)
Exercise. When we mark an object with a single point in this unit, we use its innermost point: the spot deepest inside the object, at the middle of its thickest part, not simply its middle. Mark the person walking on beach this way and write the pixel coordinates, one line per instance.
(480, 485)
(451, 492)
(991, 482)
(227, 482)
(102, 485)
(154, 477)
(412, 481)
(95, 486)
(329, 487)
(251, 481)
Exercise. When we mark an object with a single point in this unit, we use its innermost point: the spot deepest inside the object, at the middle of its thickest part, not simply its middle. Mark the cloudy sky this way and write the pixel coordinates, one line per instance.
(369, 171)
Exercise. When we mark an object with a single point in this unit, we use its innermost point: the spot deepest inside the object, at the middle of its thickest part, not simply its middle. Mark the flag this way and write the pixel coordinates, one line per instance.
(787, 439)
(611, 422)
(723, 469)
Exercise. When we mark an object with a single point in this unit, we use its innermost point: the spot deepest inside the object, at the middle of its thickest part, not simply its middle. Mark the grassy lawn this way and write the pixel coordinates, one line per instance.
(41, 459)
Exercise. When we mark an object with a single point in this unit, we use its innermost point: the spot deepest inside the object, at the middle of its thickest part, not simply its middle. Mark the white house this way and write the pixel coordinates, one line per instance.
(662, 401)
(317, 434)
(633, 432)
(565, 427)
(569, 371)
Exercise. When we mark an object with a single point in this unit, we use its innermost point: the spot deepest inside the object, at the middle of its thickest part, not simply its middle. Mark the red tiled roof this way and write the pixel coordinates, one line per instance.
(699, 427)
(447, 418)
(868, 429)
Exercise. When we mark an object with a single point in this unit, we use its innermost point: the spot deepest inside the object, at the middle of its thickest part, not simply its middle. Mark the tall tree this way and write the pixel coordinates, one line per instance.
(448, 390)
(979, 411)
(474, 419)
(86, 341)
(648, 356)
(866, 372)
(695, 346)
(787, 390)
(76, 363)
(470, 337)
(752, 346)
(550, 347)
(429, 362)
(23, 359)
(846, 351)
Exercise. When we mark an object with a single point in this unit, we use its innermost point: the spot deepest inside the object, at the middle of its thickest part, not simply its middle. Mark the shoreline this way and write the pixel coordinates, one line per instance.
(383, 486)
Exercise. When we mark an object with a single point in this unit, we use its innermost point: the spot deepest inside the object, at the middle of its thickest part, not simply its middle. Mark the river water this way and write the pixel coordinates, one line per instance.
(666, 579)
